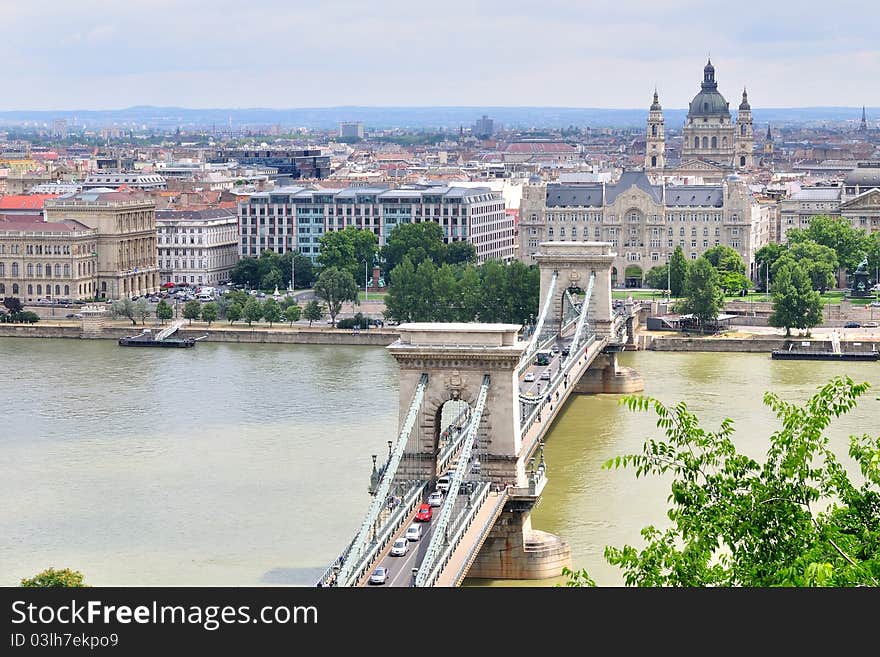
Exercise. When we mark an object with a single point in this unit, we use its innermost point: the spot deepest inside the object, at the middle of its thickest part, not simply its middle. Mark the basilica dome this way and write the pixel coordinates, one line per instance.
(709, 102)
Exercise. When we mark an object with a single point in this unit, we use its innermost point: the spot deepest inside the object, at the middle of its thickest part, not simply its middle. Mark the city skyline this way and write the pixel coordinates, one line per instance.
(278, 55)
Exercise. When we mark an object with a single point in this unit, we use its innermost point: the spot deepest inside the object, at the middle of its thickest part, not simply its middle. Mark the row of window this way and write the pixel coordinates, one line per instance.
(16, 289)
(30, 269)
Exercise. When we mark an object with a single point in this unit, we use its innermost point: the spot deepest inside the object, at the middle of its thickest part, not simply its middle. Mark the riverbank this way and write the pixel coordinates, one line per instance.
(277, 334)
(748, 339)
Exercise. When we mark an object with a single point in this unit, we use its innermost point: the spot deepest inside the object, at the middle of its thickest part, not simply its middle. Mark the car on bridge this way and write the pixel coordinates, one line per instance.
(413, 532)
(545, 375)
(400, 547)
(435, 499)
(379, 576)
(529, 377)
(424, 513)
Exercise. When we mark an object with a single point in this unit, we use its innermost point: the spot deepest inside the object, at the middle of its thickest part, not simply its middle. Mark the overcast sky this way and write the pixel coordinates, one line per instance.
(108, 54)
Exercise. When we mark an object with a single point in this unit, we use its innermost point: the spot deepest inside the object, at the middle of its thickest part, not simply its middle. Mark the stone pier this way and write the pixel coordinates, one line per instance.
(605, 375)
(93, 321)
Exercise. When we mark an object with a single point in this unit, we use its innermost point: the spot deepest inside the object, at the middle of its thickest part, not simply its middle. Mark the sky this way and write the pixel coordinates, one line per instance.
(111, 54)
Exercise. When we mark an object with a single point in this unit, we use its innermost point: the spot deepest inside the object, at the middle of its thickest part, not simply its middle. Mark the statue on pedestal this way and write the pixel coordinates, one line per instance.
(860, 286)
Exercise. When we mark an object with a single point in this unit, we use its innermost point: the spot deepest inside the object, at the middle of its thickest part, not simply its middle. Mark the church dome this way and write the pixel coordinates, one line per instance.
(709, 102)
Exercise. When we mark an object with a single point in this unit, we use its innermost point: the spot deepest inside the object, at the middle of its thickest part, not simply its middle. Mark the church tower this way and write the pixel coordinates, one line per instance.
(863, 126)
(768, 147)
(743, 157)
(655, 144)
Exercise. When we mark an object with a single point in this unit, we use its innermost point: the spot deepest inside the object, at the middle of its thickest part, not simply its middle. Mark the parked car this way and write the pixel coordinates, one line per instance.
(852, 325)
(379, 576)
(413, 533)
(424, 513)
(400, 547)
(529, 377)
(870, 325)
(435, 499)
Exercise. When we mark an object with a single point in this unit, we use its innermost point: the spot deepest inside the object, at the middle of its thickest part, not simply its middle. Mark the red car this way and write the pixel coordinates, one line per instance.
(424, 514)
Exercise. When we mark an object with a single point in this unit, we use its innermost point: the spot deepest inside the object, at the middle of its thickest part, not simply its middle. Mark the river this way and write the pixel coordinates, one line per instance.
(240, 465)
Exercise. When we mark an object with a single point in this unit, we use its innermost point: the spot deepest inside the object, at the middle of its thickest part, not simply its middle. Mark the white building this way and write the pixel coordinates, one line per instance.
(198, 247)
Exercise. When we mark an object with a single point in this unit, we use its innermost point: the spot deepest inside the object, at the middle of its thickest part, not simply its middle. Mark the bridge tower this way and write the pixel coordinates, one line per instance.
(573, 263)
(456, 356)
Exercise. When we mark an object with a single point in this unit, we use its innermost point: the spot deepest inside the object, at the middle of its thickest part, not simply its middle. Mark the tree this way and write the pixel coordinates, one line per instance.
(678, 268)
(402, 297)
(246, 272)
(470, 295)
(819, 262)
(657, 277)
(335, 286)
(725, 258)
(765, 258)
(493, 285)
(461, 253)
(192, 310)
(291, 314)
(795, 303)
(52, 578)
(164, 311)
(125, 308)
(837, 234)
(13, 305)
(210, 312)
(421, 241)
(795, 519)
(303, 270)
(271, 311)
(523, 291)
(313, 311)
(234, 312)
(702, 294)
(271, 280)
(252, 311)
(337, 250)
(141, 310)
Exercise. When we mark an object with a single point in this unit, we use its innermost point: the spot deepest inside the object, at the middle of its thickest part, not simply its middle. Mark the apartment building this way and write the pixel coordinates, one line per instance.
(198, 247)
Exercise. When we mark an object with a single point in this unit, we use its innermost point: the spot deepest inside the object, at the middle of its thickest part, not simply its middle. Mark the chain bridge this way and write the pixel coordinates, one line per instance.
(476, 402)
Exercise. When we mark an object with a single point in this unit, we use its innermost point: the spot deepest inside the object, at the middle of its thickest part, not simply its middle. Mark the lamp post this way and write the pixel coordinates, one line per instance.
(293, 273)
(668, 277)
(366, 294)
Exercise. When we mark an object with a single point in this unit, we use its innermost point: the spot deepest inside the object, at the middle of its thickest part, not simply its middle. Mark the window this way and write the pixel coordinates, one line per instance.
(705, 142)
(15, 271)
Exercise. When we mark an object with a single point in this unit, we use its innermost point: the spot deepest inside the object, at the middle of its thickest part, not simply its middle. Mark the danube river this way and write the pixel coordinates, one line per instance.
(245, 465)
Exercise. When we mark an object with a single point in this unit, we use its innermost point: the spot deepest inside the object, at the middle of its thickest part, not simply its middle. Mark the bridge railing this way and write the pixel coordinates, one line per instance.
(457, 433)
(360, 543)
(455, 531)
(539, 327)
(400, 515)
(439, 532)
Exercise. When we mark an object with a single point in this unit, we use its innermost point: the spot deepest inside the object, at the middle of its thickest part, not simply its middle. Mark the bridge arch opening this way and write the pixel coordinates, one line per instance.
(451, 416)
(633, 276)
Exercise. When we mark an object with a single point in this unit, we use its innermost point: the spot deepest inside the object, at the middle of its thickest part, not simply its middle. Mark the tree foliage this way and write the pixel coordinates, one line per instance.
(819, 263)
(291, 313)
(164, 311)
(418, 242)
(313, 311)
(795, 519)
(210, 312)
(335, 287)
(234, 312)
(703, 297)
(678, 268)
(55, 578)
(271, 311)
(252, 311)
(192, 310)
(125, 308)
(795, 303)
(657, 277)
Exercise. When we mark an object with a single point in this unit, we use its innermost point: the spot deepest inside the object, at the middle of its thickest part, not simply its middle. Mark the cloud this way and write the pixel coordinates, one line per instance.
(393, 52)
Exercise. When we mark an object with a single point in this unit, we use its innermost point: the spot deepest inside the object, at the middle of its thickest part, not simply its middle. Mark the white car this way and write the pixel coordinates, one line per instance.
(529, 377)
(413, 533)
(436, 498)
(400, 547)
(545, 375)
(379, 576)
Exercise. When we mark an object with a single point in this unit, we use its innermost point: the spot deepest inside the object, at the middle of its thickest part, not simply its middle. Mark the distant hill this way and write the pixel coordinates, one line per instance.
(450, 118)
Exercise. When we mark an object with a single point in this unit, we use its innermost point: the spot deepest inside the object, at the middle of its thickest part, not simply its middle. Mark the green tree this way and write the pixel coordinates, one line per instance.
(252, 311)
(523, 290)
(291, 314)
(657, 277)
(837, 234)
(401, 299)
(795, 519)
(269, 262)
(141, 310)
(303, 270)
(271, 311)
(795, 303)
(164, 311)
(337, 250)
(819, 263)
(313, 311)
(52, 578)
(493, 284)
(765, 258)
(421, 241)
(246, 272)
(444, 293)
(460, 253)
(725, 258)
(335, 287)
(470, 295)
(192, 310)
(234, 312)
(210, 312)
(271, 280)
(702, 293)
(125, 308)
(678, 269)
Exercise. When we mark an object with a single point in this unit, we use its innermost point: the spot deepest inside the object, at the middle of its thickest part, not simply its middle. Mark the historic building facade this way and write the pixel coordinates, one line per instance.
(199, 247)
(644, 222)
(713, 143)
(43, 260)
(126, 238)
